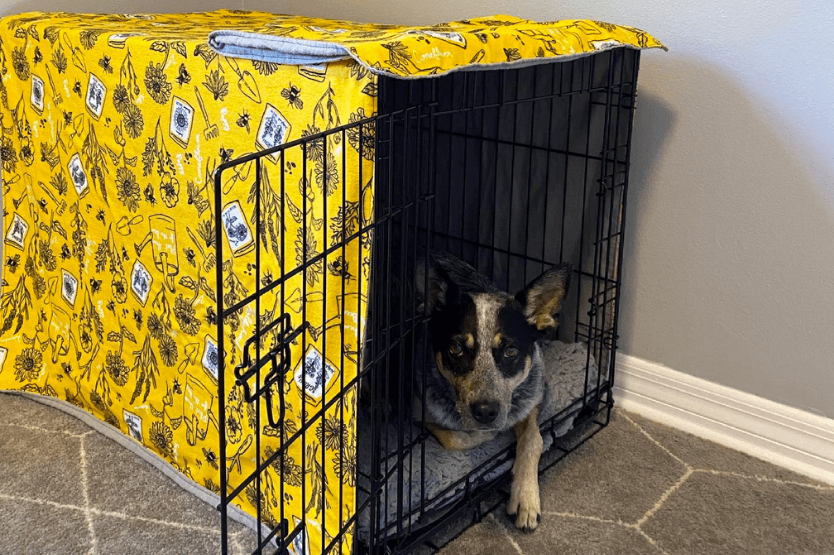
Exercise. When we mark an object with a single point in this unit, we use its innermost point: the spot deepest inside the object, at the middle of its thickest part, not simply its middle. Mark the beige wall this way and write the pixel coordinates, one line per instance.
(730, 253)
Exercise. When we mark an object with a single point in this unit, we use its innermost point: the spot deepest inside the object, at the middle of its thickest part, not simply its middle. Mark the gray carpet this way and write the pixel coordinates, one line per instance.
(637, 487)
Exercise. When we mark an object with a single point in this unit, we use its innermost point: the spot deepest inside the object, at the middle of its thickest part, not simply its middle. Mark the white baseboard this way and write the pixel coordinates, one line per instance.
(788, 437)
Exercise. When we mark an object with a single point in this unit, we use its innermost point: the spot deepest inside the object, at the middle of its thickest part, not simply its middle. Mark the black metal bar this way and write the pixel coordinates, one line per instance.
(221, 360)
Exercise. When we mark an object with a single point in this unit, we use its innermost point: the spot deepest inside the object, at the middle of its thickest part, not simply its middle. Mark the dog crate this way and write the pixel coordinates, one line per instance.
(211, 245)
(511, 170)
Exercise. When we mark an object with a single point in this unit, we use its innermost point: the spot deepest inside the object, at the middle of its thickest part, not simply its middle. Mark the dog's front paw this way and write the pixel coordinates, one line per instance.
(525, 503)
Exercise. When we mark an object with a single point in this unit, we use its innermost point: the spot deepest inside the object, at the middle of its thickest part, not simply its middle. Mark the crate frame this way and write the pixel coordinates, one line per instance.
(416, 120)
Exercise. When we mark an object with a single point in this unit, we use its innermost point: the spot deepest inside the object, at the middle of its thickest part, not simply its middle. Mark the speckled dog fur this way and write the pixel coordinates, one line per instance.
(484, 370)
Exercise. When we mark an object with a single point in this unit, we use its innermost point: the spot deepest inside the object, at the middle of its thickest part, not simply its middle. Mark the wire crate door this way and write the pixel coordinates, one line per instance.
(293, 242)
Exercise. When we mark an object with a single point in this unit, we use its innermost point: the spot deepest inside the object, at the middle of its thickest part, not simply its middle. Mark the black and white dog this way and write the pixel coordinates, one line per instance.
(484, 369)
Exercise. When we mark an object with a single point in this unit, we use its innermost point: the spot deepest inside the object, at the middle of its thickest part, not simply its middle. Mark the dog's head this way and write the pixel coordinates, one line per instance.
(484, 340)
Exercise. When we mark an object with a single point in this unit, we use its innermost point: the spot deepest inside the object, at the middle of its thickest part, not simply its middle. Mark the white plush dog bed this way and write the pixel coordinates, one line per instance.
(444, 469)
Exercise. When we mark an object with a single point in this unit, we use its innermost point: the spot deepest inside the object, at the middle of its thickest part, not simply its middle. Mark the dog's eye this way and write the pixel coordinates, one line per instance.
(511, 352)
(456, 349)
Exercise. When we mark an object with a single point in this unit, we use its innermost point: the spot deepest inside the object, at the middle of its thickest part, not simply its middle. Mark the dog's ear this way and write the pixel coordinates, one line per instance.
(433, 285)
(543, 297)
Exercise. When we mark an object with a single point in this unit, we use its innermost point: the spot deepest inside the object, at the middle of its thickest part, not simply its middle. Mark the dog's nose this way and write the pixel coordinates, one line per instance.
(485, 412)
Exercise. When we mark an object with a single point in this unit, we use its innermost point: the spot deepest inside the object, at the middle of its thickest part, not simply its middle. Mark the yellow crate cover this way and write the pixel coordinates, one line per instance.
(112, 126)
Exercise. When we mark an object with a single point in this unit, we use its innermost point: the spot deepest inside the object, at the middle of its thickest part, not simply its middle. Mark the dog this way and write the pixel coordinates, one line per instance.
(483, 370)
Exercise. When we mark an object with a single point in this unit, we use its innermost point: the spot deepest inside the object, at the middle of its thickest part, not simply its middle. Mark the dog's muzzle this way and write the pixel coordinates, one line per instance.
(485, 412)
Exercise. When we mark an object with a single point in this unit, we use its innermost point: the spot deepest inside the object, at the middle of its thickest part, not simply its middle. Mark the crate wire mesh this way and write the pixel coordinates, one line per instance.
(511, 170)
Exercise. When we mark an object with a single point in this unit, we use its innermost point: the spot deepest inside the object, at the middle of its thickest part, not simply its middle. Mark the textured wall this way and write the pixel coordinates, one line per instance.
(730, 254)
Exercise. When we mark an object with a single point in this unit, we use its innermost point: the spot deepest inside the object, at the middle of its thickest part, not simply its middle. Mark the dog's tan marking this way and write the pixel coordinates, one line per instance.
(543, 301)
(470, 340)
(451, 439)
(525, 501)
(496, 341)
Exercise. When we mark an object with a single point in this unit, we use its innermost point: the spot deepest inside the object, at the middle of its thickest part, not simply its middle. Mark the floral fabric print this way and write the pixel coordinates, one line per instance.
(112, 127)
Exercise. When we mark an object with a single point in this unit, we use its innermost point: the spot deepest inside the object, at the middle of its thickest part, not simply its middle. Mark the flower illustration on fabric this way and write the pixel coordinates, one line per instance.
(286, 467)
(168, 350)
(59, 183)
(216, 84)
(134, 121)
(46, 256)
(512, 54)
(305, 249)
(59, 60)
(8, 155)
(169, 189)
(183, 77)
(315, 147)
(127, 189)
(88, 38)
(339, 268)
(28, 365)
(362, 137)
(186, 316)
(157, 83)
(20, 63)
(155, 327)
(86, 337)
(328, 175)
(162, 438)
(119, 288)
(121, 98)
(27, 153)
(116, 368)
(344, 464)
(234, 430)
(332, 433)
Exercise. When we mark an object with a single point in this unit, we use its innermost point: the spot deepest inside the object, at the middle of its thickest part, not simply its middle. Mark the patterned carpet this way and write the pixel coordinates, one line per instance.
(637, 487)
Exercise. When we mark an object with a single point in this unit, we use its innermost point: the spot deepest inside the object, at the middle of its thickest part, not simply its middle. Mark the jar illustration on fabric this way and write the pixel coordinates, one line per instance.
(163, 239)
(59, 332)
(237, 230)
(197, 409)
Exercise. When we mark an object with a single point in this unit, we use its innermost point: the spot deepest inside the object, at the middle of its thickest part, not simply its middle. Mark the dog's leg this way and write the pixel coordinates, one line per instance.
(451, 439)
(524, 501)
